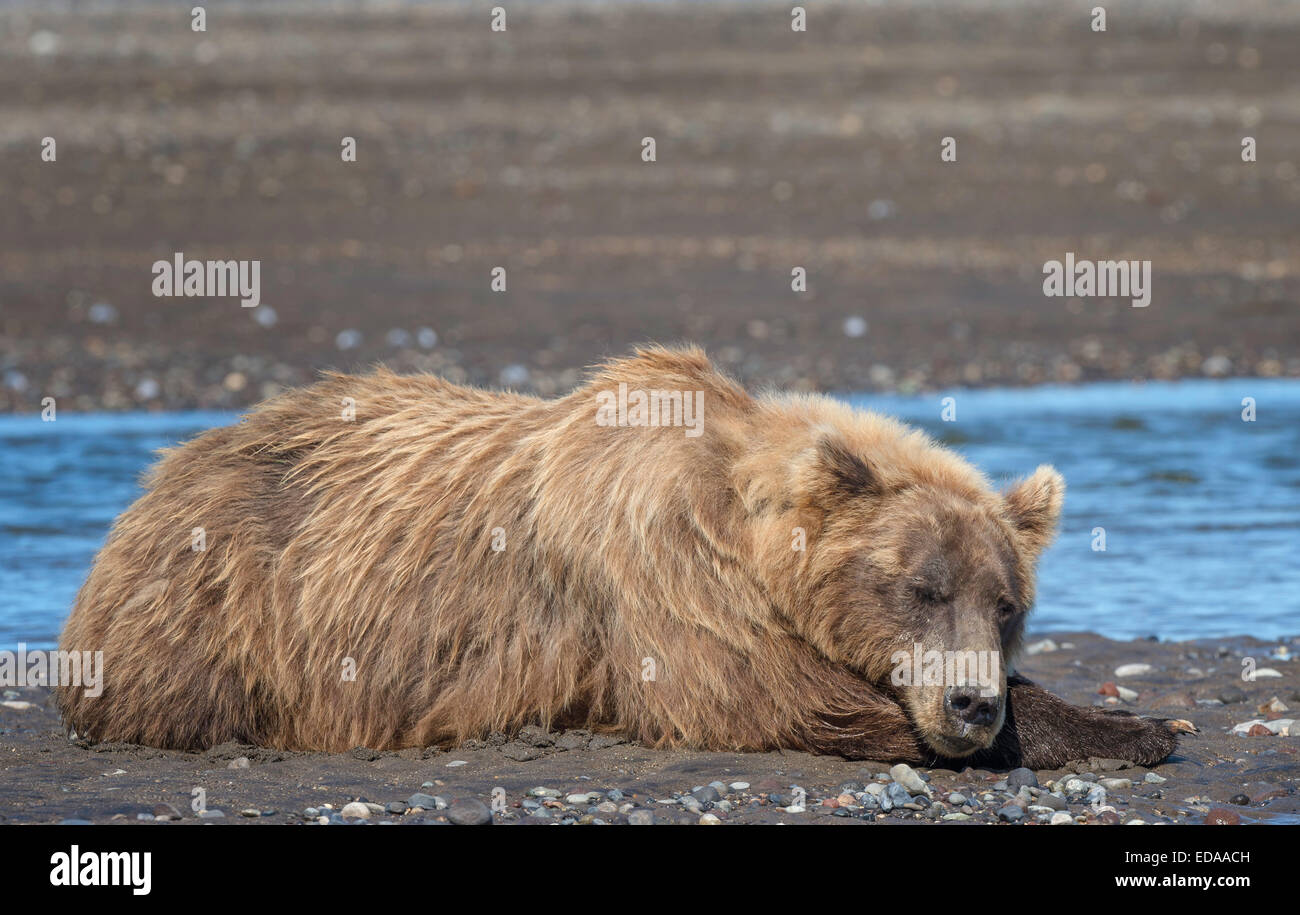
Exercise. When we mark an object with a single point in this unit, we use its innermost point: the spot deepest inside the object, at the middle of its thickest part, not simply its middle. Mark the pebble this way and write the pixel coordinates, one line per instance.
(543, 792)
(739, 786)
(356, 810)
(455, 763)
(1021, 778)
(211, 813)
(423, 801)
(1046, 645)
(1011, 813)
(709, 820)
(956, 799)
(641, 817)
(1115, 784)
(1061, 819)
(249, 812)
(907, 777)
(1133, 670)
(707, 795)
(469, 812)
(1152, 778)
(238, 763)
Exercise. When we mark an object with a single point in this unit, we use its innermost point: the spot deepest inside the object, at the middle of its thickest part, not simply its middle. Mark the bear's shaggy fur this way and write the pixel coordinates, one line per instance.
(451, 562)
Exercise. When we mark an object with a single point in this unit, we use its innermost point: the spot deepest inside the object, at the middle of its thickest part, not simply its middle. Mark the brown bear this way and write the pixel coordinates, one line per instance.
(397, 561)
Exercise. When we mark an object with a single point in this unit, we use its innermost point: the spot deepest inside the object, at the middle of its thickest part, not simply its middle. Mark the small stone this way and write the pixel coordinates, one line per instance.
(1061, 819)
(710, 820)
(1126, 694)
(469, 812)
(1041, 647)
(707, 795)
(579, 798)
(456, 763)
(250, 812)
(421, 801)
(641, 817)
(1021, 778)
(238, 763)
(357, 810)
(397, 808)
(909, 779)
(739, 786)
(1011, 813)
(211, 813)
(1152, 778)
(1115, 784)
(1133, 670)
(956, 799)
(1053, 801)
(543, 792)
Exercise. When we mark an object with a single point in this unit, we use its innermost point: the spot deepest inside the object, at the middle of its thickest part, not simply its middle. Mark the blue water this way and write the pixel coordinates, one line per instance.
(1201, 511)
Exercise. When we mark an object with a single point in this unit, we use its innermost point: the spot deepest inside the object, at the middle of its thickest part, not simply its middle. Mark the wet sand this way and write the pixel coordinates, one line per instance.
(522, 149)
(48, 778)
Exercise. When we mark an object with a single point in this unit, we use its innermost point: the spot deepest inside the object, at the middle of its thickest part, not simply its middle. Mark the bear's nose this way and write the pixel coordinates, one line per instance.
(966, 704)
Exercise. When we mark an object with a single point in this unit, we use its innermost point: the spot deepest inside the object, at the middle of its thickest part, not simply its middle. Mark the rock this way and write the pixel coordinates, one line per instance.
(422, 801)
(1231, 696)
(1274, 706)
(240, 762)
(909, 779)
(1152, 778)
(1041, 647)
(469, 812)
(739, 786)
(1053, 801)
(212, 813)
(456, 763)
(1108, 689)
(641, 817)
(956, 799)
(1126, 694)
(897, 794)
(707, 794)
(396, 808)
(956, 816)
(1061, 819)
(1240, 800)
(1220, 816)
(1021, 778)
(356, 810)
(1133, 670)
(543, 792)
(250, 812)
(581, 799)
(1011, 813)
(710, 819)
(1115, 784)
(1266, 673)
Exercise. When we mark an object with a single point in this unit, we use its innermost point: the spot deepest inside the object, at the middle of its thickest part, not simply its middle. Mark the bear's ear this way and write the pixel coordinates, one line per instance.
(1034, 505)
(844, 474)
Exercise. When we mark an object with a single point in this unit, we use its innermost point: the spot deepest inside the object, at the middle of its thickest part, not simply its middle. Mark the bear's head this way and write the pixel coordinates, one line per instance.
(899, 560)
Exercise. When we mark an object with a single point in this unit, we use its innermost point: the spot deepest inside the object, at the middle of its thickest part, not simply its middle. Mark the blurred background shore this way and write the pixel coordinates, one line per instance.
(522, 149)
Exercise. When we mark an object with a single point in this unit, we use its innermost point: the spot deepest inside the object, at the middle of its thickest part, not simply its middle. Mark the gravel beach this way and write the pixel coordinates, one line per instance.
(522, 149)
(574, 777)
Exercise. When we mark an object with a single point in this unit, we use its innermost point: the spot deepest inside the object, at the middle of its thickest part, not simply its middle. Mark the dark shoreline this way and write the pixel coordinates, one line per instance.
(1214, 776)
